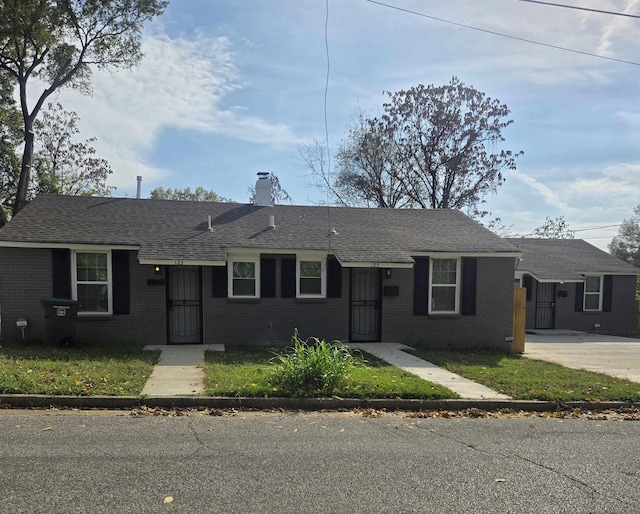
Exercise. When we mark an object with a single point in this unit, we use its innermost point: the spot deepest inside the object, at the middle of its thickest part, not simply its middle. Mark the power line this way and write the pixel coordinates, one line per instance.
(578, 8)
(494, 33)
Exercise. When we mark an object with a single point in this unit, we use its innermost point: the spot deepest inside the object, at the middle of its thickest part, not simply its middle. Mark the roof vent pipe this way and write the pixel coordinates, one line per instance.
(139, 179)
(263, 189)
(209, 227)
(272, 222)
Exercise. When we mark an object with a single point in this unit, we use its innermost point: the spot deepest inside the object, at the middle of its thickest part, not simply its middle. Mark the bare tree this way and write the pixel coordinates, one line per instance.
(554, 228)
(433, 147)
(63, 165)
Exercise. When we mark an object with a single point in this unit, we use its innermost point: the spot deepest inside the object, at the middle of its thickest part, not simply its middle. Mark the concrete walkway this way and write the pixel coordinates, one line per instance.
(611, 355)
(179, 369)
(393, 354)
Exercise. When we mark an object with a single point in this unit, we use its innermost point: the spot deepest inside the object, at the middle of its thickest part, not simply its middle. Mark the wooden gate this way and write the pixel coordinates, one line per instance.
(519, 319)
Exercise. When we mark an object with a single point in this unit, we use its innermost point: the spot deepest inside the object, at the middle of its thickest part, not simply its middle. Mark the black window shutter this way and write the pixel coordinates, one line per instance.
(267, 277)
(121, 289)
(579, 297)
(334, 278)
(469, 272)
(61, 268)
(607, 290)
(527, 283)
(421, 285)
(219, 281)
(288, 278)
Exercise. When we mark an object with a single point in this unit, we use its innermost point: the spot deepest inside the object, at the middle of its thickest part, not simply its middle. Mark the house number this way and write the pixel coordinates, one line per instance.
(179, 263)
(375, 264)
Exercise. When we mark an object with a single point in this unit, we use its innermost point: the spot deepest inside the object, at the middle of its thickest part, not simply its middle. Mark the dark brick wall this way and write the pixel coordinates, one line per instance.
(273, 320)
(622, 317)
(491, 324)
(25, 278)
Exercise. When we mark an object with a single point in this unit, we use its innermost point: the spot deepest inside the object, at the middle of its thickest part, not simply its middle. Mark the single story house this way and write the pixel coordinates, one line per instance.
(574, 285)
(163, 271)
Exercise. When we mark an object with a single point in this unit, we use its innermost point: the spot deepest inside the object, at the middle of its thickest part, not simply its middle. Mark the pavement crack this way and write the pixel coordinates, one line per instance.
(196, 436)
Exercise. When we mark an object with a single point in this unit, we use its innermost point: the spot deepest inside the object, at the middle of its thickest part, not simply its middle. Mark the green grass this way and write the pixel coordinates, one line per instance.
(527, 379)
(246, 371)
(114, 369)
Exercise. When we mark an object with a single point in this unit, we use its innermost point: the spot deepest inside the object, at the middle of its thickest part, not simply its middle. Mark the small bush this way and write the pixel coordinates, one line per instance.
(312, 367)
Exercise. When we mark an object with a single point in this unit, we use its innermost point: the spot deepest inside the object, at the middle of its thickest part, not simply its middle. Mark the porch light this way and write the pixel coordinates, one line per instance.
(156, 269)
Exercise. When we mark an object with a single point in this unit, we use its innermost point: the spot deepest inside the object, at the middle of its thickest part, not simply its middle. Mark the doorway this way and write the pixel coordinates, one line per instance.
(365, 305)
(184, 306)
(545, 305)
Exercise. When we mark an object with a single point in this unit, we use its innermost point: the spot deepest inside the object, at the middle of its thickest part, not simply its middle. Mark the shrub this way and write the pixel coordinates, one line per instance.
(312, 367)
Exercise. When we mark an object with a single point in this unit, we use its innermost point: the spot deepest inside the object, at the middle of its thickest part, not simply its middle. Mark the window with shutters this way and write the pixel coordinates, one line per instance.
(244, 278)
(593, 293)
(311, 276)
(92, 282)
(444, 287)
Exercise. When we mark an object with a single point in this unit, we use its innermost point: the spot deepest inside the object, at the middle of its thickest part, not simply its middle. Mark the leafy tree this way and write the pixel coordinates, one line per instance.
(554, 228)
(57, 42)
(278, 194)
(10, 136)
(626, 245)
(433, 147)
(200, 194)
(63, 166)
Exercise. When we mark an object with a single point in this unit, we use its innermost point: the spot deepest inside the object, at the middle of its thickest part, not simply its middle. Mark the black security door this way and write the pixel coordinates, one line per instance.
(545, 305)
(365, 305)
(183, 305)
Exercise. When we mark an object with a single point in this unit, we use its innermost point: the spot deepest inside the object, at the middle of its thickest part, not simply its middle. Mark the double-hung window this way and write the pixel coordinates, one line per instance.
(244, 278)
(593, 293)
(311, 273)
(91, 273)
(444, 289)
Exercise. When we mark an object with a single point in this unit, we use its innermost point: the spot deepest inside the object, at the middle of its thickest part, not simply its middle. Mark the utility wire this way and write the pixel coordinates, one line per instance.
(486, 31)
(326, 122)
(578, 8)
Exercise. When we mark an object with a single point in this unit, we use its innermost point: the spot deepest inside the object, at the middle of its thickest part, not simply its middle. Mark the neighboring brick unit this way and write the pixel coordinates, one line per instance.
(490, 326)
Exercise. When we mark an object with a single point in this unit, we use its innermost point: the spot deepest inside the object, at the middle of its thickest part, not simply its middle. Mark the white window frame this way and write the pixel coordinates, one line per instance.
(312, 257)
(457, 284)
(243, 258)
(599, 293)
(75, 282)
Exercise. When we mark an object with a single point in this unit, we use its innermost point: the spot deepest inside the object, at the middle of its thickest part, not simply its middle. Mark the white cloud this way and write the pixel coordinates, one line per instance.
(550, 197)
(180, 84)
(620, 181)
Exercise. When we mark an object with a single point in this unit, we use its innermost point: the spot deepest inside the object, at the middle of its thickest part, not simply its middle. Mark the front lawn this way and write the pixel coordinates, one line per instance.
(114, 370)
(245, 371)
(527, 379)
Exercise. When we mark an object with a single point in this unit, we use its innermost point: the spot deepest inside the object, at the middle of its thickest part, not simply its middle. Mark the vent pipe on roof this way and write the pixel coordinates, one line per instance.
(139, 179)
(210, 228)
(263, 189)
(272, 222)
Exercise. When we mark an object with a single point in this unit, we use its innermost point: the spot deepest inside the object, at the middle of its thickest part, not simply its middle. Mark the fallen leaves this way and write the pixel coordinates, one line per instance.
(167, 499)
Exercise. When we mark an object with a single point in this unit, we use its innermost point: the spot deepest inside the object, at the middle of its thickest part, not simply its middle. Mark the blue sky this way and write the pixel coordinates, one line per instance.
(231, 88)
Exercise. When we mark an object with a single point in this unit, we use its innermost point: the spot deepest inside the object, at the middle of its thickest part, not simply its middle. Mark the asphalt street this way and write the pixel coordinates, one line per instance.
(59, 462)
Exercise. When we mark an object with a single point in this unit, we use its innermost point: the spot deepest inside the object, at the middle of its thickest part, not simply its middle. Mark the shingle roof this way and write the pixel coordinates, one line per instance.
(567, 259)
(169, 229)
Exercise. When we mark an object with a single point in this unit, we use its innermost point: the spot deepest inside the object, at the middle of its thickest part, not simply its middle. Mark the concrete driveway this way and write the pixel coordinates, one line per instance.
(615, 356)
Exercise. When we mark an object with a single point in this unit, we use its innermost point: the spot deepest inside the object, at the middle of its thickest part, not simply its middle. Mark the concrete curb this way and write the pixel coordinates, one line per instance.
(27, 401)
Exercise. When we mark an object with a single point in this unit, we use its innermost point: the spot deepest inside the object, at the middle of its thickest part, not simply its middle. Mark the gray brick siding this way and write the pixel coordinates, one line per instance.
(26, 277)
(491, 324)
(622, 317)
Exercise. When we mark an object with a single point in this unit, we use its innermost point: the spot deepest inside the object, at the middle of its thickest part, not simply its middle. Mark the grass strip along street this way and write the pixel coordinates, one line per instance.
(528, 379)
(246, 371)
(113, 370)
